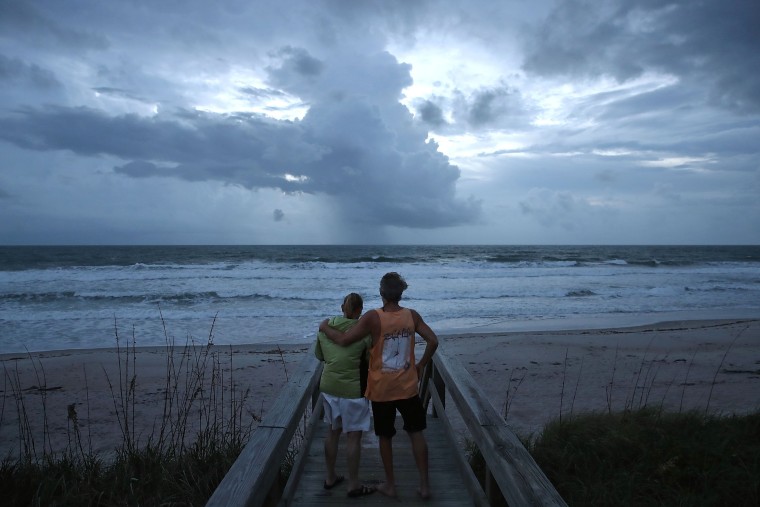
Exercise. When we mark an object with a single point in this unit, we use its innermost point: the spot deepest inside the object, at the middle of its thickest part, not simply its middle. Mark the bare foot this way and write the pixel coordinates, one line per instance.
(387, 490)
(424, 493)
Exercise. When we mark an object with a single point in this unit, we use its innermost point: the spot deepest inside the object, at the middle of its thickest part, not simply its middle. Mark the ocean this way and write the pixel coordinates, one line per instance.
(74, 297)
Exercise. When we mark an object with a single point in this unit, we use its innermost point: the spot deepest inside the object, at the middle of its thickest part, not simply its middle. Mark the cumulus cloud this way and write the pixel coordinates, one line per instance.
(356, 141)
(326, 109)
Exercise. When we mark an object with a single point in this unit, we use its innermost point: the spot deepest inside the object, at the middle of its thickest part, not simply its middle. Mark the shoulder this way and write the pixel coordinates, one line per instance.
(337, 320)
(371, 321)
(372, 315)
(342, 323)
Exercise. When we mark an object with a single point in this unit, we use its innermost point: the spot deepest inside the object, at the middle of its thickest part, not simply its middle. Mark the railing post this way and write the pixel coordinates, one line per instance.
(492, 491)
(440, 387)
(489, 484)
(274, 494)
(424, 385)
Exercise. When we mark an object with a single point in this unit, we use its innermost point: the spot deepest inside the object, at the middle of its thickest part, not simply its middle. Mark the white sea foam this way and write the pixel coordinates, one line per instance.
(279, 294)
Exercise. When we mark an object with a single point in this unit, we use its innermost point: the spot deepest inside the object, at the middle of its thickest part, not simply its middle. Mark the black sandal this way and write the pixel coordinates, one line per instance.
(362, 491)
(338, 480)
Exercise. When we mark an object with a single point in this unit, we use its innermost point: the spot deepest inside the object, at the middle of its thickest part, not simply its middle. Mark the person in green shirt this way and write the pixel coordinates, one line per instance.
(342, 385)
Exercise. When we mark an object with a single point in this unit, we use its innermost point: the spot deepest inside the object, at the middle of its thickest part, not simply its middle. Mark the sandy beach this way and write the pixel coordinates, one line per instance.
(531, 377)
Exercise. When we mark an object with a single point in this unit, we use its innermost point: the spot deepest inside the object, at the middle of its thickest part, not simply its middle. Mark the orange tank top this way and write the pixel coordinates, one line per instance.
(392, 372)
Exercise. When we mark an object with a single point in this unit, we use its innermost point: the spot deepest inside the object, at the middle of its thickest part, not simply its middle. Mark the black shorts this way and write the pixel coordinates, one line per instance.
(411, 410)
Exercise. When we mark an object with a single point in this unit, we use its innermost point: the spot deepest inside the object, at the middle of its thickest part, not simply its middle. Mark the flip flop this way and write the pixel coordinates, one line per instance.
(338, 480)
(362, 491)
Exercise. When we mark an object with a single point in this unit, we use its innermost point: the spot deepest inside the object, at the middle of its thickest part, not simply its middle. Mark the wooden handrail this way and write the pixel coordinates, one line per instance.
(252, 476)
(517, 475)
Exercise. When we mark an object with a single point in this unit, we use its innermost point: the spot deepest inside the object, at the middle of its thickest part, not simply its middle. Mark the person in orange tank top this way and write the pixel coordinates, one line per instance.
(394, 374)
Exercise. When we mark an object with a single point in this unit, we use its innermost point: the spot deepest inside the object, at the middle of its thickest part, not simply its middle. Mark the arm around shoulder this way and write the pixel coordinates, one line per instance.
(362, 328)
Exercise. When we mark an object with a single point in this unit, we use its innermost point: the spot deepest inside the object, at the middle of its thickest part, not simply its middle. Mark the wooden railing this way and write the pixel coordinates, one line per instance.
(254, 478)
(512, 473)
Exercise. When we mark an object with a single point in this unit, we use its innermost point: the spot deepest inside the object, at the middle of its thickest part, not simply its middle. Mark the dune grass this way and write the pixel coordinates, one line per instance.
(647, 457)
(140, 477)
(650, 457)
(642, 454)
(202, 429)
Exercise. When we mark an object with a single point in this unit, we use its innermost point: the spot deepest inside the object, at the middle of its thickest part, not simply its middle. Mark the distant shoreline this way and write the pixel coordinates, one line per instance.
(503, 327)
(616, 321)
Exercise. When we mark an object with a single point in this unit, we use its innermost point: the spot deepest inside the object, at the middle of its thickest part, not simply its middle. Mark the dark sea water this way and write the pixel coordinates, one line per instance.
(81, 297)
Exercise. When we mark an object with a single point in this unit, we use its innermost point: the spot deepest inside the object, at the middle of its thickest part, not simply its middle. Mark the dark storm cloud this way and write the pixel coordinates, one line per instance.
(24, 20)
(350, 145)
(373, 145)
(137, 81)
(298, 61)
(500, 107)
(712, 44)
(489, 107)
(430, 113)
(15, 70)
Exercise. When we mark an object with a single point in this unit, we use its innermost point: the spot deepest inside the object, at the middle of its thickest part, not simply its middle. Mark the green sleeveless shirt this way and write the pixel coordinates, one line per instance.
(340, 376)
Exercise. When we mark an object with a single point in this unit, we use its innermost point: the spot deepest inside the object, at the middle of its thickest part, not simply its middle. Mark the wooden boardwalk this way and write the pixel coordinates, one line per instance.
(254, 480)
(445, 476)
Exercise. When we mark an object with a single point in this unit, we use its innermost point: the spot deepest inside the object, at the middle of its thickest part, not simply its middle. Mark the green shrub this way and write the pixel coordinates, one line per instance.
(649, 457)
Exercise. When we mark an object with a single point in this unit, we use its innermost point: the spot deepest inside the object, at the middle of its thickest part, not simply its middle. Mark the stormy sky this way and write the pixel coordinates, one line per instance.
(397, 121)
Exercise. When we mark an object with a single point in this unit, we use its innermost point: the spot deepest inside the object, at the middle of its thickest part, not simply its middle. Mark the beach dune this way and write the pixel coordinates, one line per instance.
(530, 377)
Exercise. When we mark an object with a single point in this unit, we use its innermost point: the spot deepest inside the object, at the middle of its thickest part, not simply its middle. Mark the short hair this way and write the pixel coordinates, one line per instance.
(392, 286)
(352, 302)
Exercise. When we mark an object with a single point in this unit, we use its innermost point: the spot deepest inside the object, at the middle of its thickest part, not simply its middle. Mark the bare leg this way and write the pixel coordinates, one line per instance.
(420, 451)
(388, 488)
(331, 455)
(353, 453)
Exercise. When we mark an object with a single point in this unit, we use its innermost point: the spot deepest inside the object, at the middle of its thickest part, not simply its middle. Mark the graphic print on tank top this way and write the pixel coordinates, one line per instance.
(396, 351)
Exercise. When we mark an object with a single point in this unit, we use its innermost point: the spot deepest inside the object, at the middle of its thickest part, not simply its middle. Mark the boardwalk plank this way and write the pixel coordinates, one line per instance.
(445, 479)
